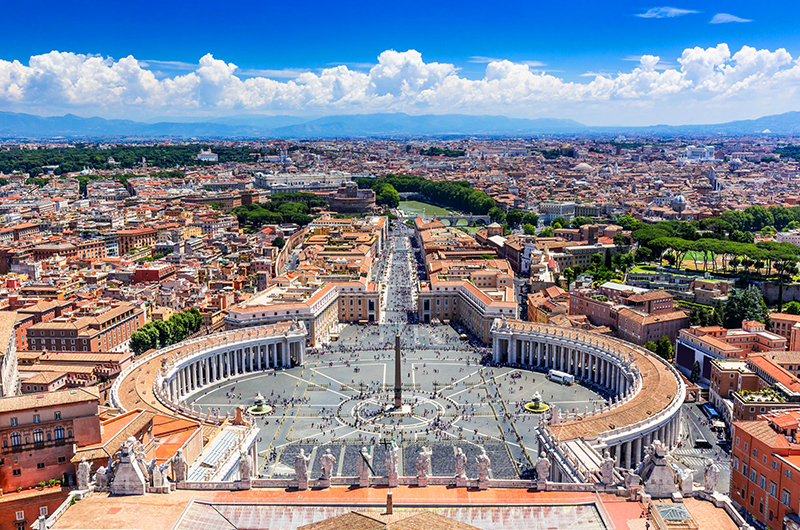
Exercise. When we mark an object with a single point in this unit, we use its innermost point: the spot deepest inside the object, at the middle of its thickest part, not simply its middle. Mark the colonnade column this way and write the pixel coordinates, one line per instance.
(628, 446)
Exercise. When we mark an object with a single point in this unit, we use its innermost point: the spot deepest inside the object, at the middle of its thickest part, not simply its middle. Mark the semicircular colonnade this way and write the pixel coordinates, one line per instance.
(164, 379)
(648, 391)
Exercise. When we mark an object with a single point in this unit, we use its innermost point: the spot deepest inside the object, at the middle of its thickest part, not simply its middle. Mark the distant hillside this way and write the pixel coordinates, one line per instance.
(16, 125)
(429, 124)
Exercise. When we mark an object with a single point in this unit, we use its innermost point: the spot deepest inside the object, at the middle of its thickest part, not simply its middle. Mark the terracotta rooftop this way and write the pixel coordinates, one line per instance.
(48, 399)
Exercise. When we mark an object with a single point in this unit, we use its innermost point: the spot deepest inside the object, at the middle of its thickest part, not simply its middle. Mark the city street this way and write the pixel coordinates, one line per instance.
(694, 425)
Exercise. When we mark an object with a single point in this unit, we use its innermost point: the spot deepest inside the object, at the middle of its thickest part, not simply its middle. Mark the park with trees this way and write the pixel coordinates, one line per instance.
(458, 195)
(162, 333)
(281, 208)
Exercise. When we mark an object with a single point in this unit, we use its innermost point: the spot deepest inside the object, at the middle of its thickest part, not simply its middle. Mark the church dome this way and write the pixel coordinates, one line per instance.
(583, 167)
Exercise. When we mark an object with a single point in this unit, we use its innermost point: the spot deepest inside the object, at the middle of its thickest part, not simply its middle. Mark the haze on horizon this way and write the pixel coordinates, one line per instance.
(624, 64)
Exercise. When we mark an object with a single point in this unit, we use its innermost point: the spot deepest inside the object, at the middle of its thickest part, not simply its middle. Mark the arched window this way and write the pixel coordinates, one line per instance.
(16, 439)
(58, 432)
(38, 436)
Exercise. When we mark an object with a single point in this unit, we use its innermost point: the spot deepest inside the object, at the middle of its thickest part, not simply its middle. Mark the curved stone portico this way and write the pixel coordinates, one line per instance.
(648, 391)
(187, 367)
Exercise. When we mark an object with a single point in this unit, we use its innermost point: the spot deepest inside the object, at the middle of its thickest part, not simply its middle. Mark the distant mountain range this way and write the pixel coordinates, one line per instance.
(16, 125)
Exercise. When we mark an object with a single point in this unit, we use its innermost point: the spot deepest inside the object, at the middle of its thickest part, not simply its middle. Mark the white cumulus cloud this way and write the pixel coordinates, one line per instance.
(712, 81)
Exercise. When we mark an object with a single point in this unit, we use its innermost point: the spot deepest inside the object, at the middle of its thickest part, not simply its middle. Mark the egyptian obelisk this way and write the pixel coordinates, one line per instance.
(398, 389)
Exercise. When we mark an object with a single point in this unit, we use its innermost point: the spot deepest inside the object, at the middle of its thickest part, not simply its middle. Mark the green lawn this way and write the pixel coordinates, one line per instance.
(414, 208)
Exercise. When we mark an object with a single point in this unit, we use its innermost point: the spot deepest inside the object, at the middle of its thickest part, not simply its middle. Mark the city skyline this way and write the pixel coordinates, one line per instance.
(626, 64)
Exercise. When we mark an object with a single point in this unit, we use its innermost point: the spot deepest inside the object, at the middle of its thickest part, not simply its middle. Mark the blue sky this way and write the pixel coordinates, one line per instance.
(467, 57)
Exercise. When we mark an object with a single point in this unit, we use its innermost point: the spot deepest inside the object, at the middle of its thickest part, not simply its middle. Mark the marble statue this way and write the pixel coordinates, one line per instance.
(423, 461)
(687, 481)
(364, 464)
(543, 468)
(607, 469)
(156, 478)
(301, 469)
(245, 466)
(327, 461)
(484, 465)
(392, 460)
(710, 476)
(461, 464)
(179, 466)
(632, 479)
(101, 478)
(84, 471)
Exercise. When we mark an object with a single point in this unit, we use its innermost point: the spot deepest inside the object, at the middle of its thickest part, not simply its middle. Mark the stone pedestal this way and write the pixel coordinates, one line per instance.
(541, 485)
(461, 482)
(483, 484)
(363, 482)
(302, 484)
(128, 479)
(324, 483)
(244, 484)
(393, 482)
(422, 482)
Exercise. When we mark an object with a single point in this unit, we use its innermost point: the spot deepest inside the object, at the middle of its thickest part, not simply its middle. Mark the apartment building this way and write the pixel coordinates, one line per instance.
(39, 433)
(136, 237)
(704, 344)
(787, 326)
(633, 313)
(473, 291)
(107, 329)
(775, 388)
(765, 474)
(9, 373)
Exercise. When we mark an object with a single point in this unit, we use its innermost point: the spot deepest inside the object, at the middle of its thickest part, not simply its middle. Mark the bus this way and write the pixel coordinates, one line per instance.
(560, 377)
(710, 412)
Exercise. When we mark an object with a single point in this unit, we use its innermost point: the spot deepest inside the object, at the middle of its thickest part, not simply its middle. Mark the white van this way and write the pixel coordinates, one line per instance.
(561, 377)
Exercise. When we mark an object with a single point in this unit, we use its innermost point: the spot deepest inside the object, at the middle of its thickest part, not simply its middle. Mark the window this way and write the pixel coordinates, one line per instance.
(13, 422)
(788, 473)
(62, 459)
(57, 415)
(43, 510)
(762, 482)
(35, 418)
(20, 515)
(58, 432)
(786, 497)
(753, 475)
(755, 452)
(16, 439)
(17, 472)
(40, 465)
(38, 436)
(774, 464)
(773, 489)
(20, 526)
